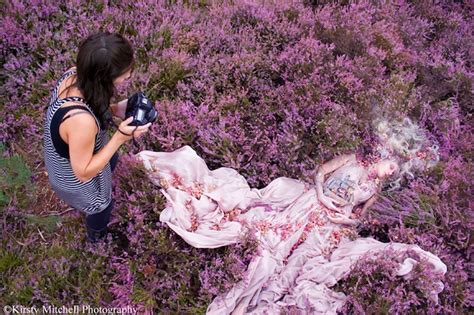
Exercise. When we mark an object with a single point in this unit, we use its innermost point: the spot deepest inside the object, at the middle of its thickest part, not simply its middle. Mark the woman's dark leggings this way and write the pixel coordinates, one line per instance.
(99, 221)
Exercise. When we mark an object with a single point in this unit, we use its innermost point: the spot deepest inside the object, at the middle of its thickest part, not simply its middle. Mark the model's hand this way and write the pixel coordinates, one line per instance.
(338, 218)
(343, 219)
(356, 212)
(354, 215)
(127, 132)
(329, 203)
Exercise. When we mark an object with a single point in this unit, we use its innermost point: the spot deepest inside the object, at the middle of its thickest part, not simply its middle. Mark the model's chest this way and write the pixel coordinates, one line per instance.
(348, 185)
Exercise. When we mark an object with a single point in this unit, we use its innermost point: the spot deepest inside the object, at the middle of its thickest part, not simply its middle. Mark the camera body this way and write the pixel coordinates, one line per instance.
(141, 109)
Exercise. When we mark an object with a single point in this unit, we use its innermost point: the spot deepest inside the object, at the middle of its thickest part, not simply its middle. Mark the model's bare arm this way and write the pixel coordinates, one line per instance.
(367, 205)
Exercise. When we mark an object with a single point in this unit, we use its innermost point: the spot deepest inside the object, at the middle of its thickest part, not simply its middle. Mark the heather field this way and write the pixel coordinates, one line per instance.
(271, 90)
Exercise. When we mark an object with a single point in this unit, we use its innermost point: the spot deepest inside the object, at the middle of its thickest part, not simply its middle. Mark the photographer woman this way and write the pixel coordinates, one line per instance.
(79, 156)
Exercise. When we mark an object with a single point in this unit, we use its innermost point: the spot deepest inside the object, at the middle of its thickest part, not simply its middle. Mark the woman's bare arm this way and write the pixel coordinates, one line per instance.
(84, 163)
(332, 165)
(80, 136)
(367, 205)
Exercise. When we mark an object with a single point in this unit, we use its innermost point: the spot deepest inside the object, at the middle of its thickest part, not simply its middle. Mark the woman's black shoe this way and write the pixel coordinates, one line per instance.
(94, 236)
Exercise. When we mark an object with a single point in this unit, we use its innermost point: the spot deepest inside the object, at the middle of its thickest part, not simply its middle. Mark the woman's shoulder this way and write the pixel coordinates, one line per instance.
(70, 69)
(351, 158)
(350, 168)
(75, 121)
(349, 161)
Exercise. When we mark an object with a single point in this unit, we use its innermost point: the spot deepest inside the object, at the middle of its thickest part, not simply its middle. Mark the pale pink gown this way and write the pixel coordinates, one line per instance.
(300, 254)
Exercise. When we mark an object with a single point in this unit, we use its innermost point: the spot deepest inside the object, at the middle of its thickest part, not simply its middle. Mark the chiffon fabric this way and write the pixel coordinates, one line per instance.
(301, 254)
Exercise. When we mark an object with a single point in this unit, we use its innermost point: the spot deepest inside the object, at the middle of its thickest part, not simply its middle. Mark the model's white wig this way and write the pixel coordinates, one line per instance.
(406, 142)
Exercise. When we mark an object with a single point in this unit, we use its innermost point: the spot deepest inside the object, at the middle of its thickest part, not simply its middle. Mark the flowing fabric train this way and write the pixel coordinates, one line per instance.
(301, 254)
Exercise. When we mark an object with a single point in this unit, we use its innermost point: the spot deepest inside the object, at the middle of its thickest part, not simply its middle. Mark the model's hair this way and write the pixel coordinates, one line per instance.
(406, 143)
(102, 58)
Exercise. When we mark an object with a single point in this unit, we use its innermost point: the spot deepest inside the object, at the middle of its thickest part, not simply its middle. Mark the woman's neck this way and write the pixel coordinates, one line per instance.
(368, 173)
(70, 90)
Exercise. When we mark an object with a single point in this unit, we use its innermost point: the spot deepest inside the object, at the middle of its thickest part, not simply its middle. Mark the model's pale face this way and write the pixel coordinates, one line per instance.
(386, 168)
(123, 78)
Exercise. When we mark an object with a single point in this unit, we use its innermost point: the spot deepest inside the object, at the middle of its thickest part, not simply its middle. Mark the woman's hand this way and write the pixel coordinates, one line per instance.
(127, 132)
(338, 218)
(329, 203)
(356, 211)
(354, 215)
(119, 108)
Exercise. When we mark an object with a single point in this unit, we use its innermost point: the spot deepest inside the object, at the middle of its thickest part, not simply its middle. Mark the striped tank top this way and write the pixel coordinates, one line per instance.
(91, 196)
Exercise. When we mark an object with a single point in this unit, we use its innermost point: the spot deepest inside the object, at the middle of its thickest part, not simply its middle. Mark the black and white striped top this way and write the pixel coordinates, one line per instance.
(92, 196)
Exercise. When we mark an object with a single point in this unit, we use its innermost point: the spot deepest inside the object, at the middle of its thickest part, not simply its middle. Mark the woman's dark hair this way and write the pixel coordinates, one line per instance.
(102, 58)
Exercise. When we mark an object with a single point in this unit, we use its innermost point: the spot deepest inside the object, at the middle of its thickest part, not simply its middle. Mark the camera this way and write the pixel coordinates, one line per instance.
(141, 108)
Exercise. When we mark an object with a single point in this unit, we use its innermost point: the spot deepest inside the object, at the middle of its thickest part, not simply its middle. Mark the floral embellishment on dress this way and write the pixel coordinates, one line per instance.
(177, 181)
(314, 219)
(345, 232)
(232, 215)
(334, 240)
(285, 230)
(327, 251)
(189, 205)
(211, 187)
(216, 227)
(154, 168)
(193, 216)
(164, 183)
(197, 190)
(335, 237)
(194, 223)
(263, 226)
